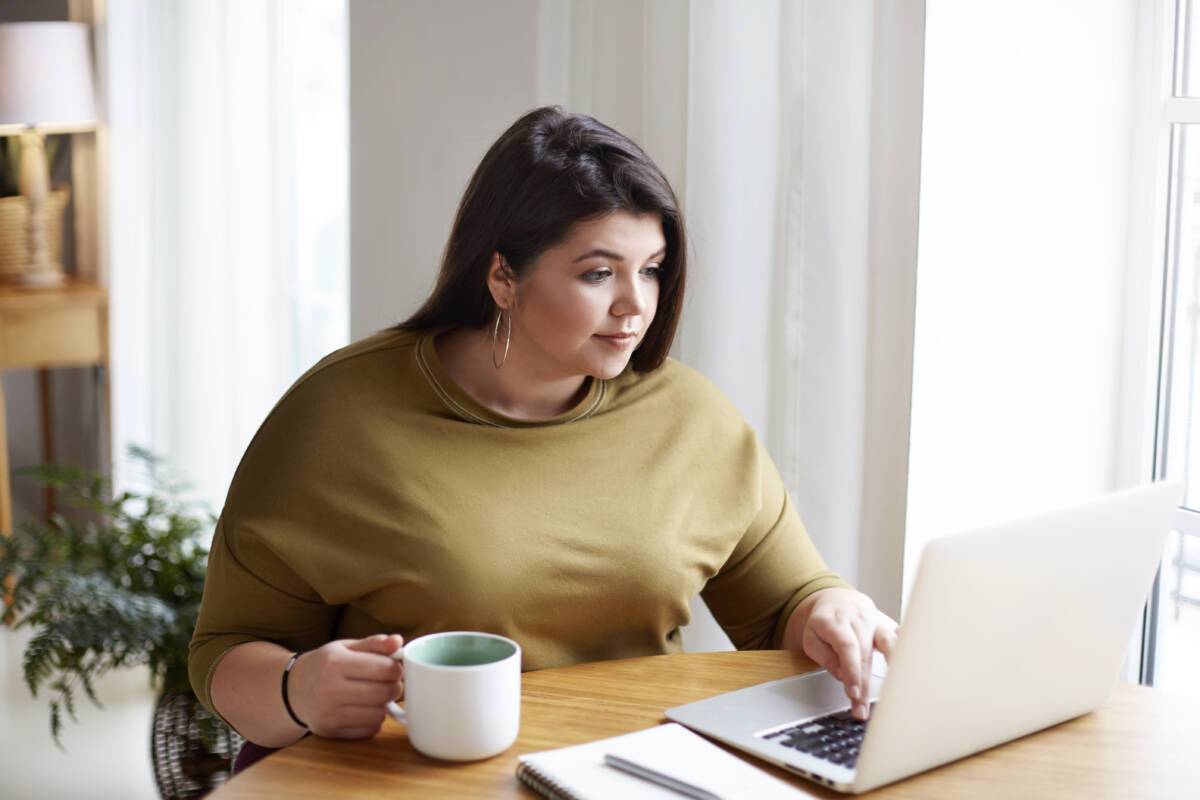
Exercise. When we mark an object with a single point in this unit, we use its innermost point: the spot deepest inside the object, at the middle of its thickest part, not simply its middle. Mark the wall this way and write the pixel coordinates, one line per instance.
(432, 85)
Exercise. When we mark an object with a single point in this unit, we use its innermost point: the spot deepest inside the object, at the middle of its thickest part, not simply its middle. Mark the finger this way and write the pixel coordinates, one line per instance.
(885, 639)
(369, 666)
(364, 732)
(866, 636)
(821, 653)
(352, 716)
(841, 637)
(382, 643)
(369, 693)
(366, 667)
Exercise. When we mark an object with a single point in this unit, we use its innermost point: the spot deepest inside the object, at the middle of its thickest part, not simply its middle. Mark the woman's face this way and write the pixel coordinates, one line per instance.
(588, 301)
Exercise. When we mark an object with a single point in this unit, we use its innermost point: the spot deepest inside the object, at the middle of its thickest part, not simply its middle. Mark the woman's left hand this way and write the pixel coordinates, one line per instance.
(840, 629)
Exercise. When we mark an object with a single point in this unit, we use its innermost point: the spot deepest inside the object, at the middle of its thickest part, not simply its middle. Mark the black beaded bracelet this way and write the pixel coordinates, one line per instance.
(283, 688)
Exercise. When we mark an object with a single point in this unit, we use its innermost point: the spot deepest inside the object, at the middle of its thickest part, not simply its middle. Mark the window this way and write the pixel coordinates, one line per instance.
(1173, 631)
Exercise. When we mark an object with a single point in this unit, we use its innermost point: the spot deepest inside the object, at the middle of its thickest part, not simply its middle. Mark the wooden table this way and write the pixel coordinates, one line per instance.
(1144, 744)
(60, 326)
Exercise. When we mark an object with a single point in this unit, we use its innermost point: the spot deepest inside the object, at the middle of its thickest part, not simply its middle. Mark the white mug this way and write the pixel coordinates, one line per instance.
(462, 694)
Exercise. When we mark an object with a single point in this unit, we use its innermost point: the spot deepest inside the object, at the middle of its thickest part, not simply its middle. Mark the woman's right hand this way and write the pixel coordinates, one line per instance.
(341, 689)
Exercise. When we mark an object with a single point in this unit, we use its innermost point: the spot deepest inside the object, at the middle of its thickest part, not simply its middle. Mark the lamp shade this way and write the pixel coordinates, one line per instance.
(46, 76)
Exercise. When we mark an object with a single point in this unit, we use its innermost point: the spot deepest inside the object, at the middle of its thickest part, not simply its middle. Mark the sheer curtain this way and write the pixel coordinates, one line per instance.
(228, 136)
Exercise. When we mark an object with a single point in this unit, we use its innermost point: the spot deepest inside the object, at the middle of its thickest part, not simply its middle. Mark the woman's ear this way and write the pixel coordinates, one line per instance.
(502, 282)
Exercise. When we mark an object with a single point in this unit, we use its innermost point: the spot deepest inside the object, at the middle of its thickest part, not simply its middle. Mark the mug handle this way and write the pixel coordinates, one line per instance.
(393, 708)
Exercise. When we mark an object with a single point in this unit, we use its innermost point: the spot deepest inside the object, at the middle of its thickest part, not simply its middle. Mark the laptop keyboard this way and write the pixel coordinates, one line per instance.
(836, 738)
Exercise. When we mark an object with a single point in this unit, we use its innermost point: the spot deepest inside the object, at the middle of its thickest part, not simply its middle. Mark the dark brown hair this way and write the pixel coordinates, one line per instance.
(547, 173)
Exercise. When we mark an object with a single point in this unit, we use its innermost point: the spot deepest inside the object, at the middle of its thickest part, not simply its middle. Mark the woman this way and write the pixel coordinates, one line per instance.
(519, 457)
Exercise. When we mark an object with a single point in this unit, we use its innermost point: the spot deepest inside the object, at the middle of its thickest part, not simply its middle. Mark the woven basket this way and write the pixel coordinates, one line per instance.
(188, 762)
(14, 236)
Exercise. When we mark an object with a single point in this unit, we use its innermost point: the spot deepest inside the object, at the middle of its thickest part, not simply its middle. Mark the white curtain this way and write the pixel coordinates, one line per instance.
(791, 134)
(228, 130)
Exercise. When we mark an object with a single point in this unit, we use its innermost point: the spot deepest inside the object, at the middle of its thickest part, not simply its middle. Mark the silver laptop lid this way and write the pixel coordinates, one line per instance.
(1013, 628)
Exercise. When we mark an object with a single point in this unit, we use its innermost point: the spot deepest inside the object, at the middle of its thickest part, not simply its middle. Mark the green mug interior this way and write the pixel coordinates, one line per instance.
(459, 650)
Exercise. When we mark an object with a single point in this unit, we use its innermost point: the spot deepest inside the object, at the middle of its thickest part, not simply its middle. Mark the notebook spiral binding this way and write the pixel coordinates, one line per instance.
(542, 784)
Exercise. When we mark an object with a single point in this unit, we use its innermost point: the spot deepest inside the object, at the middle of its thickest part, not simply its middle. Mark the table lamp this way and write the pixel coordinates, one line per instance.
(45, 87)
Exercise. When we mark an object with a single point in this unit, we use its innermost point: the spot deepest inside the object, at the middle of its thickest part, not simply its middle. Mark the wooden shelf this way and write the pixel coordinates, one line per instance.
(45, 328)
(62, 326)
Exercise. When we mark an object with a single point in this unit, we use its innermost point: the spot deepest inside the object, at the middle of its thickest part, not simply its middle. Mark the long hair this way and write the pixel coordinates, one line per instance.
(549, 171)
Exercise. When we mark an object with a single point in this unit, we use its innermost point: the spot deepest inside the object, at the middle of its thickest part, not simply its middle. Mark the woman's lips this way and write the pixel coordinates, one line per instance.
(619, 340)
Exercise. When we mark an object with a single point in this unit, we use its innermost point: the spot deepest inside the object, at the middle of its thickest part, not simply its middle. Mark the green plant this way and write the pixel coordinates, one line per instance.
(117, 583)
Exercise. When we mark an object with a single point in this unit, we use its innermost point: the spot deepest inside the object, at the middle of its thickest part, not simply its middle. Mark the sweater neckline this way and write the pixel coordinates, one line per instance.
(463, 405)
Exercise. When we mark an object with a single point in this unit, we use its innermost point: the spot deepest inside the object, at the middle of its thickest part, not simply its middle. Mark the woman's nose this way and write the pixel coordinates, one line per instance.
(631, 299)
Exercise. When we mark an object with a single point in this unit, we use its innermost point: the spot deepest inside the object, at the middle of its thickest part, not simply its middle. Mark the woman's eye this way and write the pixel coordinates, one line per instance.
(598, 275)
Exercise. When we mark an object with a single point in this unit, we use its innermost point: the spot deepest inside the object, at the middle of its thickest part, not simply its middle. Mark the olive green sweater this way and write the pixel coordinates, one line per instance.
(379, 497)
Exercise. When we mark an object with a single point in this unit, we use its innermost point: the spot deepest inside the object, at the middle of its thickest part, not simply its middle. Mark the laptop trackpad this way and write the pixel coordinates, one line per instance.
(767, 705)
(814, 694)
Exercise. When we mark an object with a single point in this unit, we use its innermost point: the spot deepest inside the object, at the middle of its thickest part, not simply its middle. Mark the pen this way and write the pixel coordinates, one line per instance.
(646, 773)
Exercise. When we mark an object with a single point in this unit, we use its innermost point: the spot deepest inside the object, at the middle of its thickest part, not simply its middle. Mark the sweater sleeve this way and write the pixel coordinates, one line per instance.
(773, 567)
(279, 557)
(251, 595)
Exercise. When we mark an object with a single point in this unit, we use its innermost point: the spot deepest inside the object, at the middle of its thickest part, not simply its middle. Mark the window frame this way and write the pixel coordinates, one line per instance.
(1156, 161)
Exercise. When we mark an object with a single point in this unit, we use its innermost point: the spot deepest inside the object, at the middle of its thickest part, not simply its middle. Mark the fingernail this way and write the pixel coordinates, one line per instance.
(854, 693)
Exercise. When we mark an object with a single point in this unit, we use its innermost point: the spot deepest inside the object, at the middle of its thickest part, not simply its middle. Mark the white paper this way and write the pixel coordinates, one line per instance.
(671, 749)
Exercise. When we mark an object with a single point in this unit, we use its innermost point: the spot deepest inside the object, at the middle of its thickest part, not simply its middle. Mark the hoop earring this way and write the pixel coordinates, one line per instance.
(507, 338)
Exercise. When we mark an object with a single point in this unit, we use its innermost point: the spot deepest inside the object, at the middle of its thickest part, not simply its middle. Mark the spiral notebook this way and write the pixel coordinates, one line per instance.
(671, 750)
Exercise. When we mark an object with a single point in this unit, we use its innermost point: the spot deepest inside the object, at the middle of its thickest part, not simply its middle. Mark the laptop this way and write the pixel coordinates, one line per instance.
(1009, 629)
